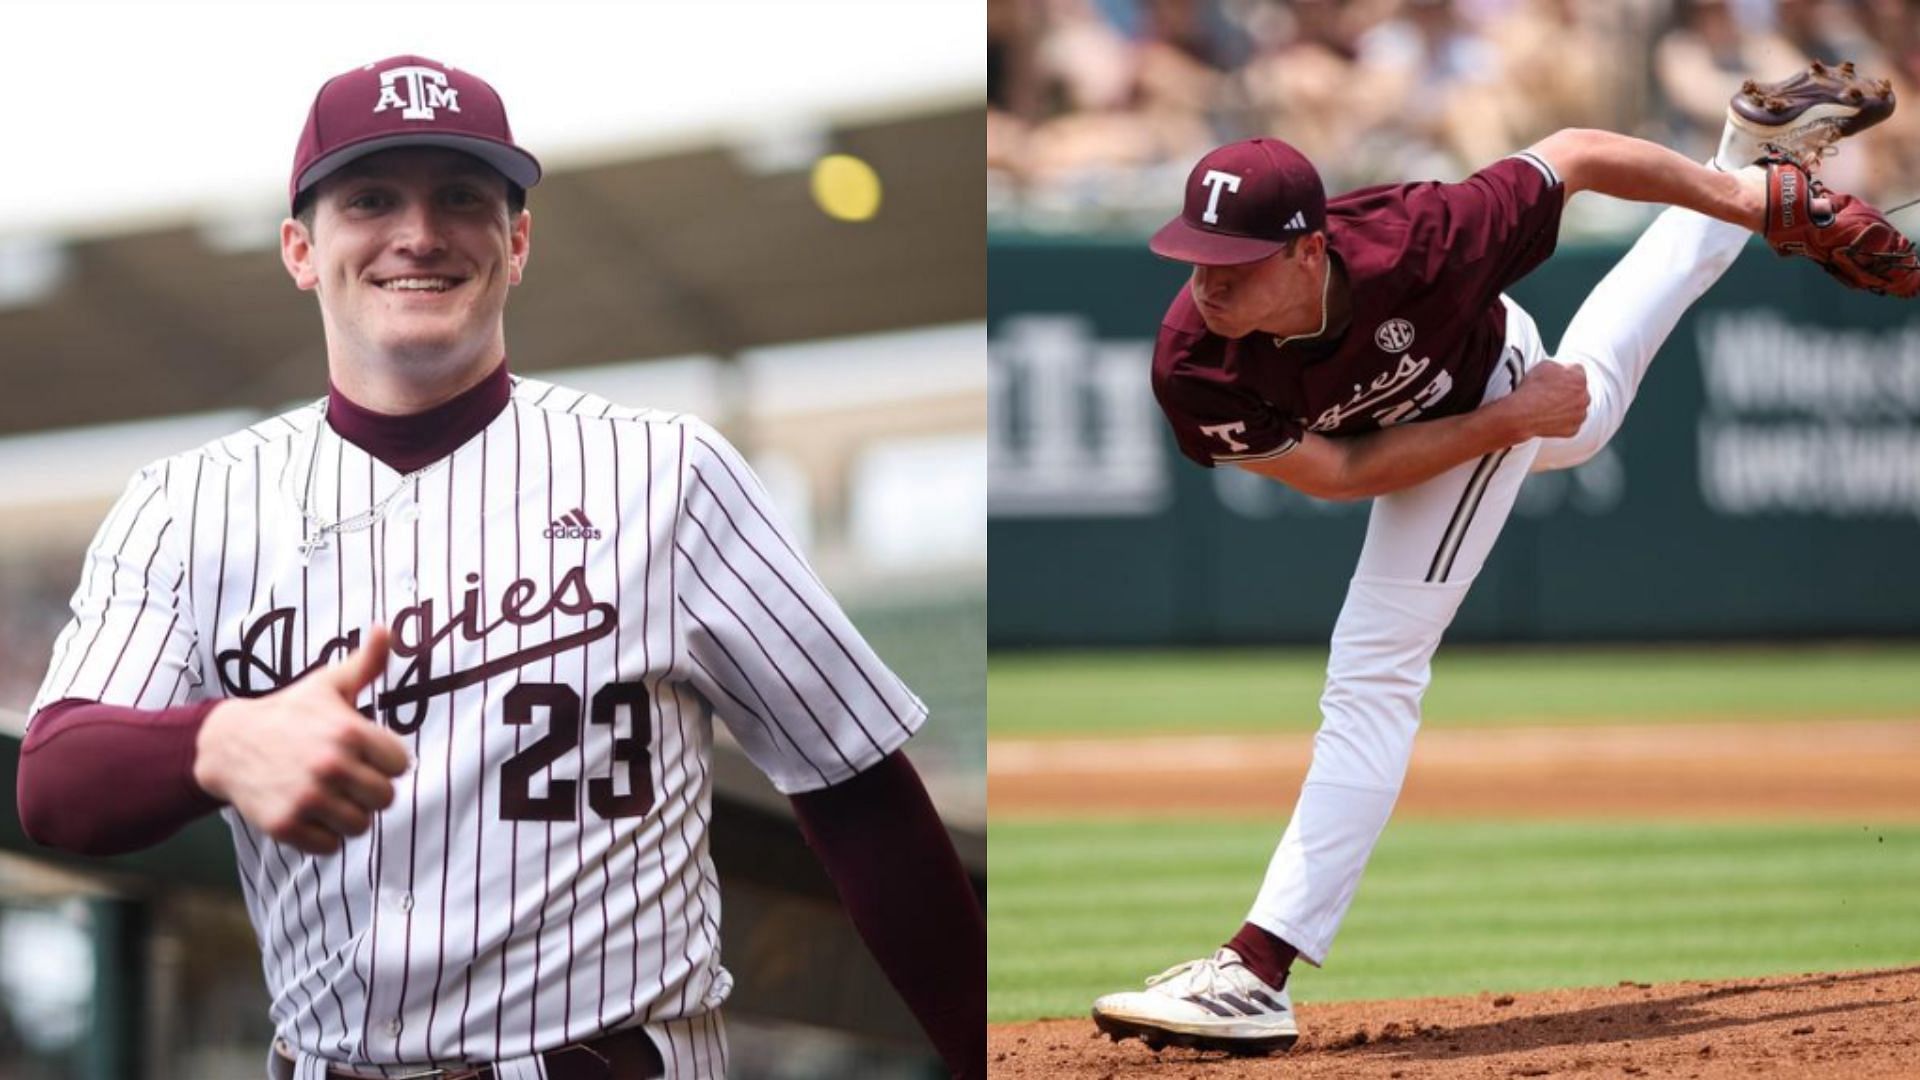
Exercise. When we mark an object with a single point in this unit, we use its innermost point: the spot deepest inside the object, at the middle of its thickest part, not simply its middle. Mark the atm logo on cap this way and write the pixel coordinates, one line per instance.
(425, 90)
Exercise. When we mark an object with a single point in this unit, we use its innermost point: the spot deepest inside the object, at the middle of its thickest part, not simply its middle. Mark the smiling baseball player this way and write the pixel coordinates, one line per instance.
(541, 601)
(1363, 347)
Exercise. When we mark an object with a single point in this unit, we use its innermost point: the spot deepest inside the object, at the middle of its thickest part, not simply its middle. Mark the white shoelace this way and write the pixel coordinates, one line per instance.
(1206, 976)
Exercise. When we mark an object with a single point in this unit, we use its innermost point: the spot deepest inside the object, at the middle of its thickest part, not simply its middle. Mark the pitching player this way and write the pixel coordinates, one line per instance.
(446, 648)
(1363, 347)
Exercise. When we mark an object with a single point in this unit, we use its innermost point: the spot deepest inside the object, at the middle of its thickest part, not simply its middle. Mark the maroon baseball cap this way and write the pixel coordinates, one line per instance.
(1243, 201)
(406, 101)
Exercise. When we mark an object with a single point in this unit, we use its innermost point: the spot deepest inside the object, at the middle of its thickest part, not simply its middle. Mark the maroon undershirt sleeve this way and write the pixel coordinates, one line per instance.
(105, 779)
(902, 883)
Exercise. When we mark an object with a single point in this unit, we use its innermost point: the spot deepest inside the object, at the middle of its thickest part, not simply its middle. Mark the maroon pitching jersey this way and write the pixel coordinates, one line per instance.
(1425, 263)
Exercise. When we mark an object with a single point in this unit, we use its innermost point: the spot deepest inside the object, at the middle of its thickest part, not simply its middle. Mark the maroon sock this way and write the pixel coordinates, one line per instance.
(1265, 955)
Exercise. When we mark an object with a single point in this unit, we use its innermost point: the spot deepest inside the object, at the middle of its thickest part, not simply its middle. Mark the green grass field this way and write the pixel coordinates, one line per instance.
(1138, 693)
(1081, 908)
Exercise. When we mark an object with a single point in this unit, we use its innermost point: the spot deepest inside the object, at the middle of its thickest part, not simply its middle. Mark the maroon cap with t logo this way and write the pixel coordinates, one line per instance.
(406, 101)
(1243, 201)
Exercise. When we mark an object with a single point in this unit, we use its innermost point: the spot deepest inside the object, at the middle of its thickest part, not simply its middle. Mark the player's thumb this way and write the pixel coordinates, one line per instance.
(365, 664)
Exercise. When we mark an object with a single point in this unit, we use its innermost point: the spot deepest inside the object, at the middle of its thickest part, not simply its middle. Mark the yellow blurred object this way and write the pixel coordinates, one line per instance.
(846, 187)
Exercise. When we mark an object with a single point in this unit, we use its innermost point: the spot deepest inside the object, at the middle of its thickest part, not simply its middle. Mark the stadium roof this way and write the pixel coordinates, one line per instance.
(699, 250)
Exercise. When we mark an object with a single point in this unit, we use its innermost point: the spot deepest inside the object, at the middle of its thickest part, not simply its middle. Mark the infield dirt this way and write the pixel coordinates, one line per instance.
(1854, 769)
(1855, 1025)
(1859, 1024)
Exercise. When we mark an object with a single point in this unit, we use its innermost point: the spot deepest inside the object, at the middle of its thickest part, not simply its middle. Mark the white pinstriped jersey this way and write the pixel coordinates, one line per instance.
(575, 592)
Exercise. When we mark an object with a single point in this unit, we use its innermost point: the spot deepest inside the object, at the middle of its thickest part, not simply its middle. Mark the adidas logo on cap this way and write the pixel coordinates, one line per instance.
(1297, 221)
(573, 525)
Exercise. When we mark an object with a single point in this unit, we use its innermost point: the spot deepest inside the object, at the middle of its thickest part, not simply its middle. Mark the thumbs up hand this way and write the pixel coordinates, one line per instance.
(301, 764)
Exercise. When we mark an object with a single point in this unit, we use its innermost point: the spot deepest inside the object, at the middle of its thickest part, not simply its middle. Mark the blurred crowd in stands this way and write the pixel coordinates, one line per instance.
(1097, 108)
(35, 584)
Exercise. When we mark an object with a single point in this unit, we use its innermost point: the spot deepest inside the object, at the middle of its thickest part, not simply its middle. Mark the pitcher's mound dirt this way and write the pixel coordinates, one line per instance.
(1857, 1025)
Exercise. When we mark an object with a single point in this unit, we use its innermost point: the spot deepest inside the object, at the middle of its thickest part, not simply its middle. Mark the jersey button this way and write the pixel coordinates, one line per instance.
(393, 1026)
(408, 515)
(405, 577)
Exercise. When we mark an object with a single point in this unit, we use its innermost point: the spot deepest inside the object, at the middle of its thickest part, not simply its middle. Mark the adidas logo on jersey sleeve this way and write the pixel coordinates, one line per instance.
(573, 525)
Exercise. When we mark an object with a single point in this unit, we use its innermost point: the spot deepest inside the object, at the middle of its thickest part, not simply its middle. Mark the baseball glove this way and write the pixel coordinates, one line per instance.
(1848, 238)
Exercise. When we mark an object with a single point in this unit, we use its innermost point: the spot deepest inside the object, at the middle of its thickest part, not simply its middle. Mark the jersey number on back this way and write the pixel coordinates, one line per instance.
(562, 800)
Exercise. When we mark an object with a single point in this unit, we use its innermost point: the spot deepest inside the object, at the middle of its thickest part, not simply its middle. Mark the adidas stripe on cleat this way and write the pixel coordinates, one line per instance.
(1211, 1004)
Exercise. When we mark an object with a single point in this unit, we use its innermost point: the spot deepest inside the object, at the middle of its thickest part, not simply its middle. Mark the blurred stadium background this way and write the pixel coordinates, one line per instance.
(1147, 616)
(685, 257)
(1097, 108)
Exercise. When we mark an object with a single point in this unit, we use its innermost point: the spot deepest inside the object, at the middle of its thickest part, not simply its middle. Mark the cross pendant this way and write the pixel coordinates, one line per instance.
(311, 545)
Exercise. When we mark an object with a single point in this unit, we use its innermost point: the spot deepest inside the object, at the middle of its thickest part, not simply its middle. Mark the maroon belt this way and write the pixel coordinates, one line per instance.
(618, 1055)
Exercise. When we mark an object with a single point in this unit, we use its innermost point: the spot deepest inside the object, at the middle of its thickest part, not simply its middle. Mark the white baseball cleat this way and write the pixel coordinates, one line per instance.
(1803, 114)
(1211, 1004)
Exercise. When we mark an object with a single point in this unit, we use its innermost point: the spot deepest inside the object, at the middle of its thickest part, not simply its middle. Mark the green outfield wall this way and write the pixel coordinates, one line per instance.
(1765, 485)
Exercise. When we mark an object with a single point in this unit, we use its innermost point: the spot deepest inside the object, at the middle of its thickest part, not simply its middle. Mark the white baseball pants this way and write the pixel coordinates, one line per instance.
(1425, 545)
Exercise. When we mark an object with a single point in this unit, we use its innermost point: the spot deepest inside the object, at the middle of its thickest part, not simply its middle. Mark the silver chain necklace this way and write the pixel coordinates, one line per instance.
(315, 531)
